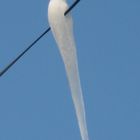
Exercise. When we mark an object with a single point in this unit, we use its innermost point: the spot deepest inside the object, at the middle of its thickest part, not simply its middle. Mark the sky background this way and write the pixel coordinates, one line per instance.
(35, 99)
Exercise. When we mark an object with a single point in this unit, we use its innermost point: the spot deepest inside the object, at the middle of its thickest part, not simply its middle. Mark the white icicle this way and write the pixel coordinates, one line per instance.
(62, 30)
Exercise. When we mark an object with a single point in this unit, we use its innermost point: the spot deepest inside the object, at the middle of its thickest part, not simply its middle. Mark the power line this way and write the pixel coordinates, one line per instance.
(32, 44)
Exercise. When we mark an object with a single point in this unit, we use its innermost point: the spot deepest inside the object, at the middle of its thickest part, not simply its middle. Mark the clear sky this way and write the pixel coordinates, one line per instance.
(35, 99)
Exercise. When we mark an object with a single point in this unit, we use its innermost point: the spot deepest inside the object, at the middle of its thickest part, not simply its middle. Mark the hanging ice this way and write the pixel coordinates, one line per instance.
(62, 29)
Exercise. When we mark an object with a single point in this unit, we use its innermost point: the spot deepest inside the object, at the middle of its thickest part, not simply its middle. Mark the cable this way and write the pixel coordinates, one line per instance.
(32, 44)
(71, 7)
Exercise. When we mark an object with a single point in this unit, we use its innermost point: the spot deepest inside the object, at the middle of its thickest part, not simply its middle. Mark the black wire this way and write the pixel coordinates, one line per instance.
(71, 7)
(26, 50)
(30, 46)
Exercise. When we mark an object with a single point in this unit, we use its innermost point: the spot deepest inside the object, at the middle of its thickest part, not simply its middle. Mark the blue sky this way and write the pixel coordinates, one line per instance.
(35, 100)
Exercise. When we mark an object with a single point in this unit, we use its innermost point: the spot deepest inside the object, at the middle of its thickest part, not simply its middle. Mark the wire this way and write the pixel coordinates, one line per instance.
(71, 7)
(32, 44)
